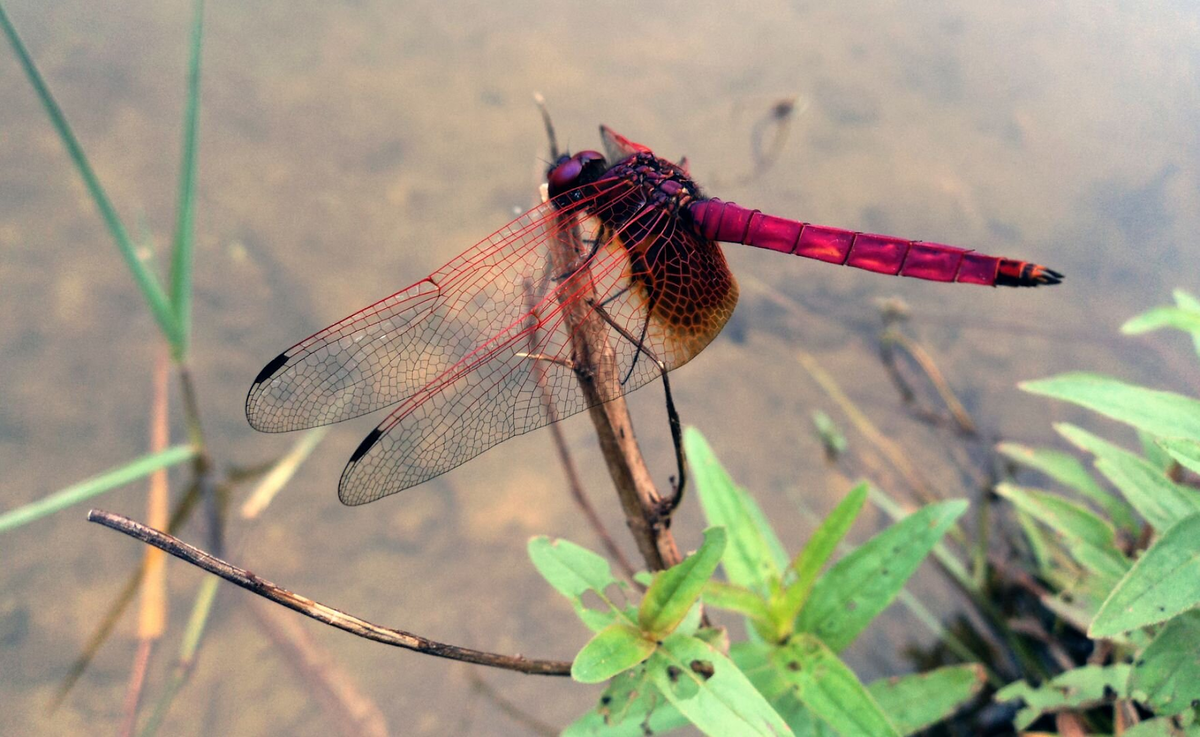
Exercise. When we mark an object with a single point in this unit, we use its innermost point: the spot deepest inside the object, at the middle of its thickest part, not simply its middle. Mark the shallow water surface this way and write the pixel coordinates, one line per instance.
(348, 149)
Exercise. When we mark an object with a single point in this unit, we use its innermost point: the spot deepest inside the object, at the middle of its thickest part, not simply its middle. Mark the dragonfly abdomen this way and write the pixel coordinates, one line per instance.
(732, 223)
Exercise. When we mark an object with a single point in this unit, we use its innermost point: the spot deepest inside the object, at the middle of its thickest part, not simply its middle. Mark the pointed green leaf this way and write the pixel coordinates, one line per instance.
(915, 702)
(1090, 539)
(755, 557)
(1191, 304)
(181, 253)
(1153, 452)
(818, 550)
(575, 571)
(1166, 676)
(1163, 317)
(861, 585)
(1164, 582)
(1160, 501)
(151, 290)
(84, 490)
(707, 688)
(1185, 452)
(1076, 689)
(1165, 414)
(1068, 471)
(614, 649)
(830, 689)
(735, 599)
(676, 589)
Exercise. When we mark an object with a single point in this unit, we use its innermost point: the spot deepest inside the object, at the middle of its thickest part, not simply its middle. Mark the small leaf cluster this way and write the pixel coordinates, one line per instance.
(666, 669)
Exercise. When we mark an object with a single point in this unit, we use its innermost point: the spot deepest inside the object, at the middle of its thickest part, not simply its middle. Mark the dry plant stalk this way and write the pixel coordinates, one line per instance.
(318, 611)
(595, 367)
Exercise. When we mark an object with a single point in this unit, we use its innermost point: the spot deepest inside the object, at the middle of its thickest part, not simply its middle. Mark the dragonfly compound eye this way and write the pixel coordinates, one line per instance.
(583, 168)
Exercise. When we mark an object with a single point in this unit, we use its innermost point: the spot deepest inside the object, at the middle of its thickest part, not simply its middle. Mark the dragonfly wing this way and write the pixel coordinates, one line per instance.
(524, 377)
(387, 352)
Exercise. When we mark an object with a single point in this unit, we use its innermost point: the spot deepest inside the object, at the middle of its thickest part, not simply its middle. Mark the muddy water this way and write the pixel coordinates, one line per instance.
(348, 149)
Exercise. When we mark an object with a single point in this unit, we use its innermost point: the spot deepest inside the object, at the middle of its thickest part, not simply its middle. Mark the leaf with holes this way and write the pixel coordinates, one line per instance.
(708, 689)
(1081, 688)
(1164, 582)
(575, 572)
(829, 688)
(630, 707)
(1166, 675)
(861, 585)
(676, 589)
(915, 702)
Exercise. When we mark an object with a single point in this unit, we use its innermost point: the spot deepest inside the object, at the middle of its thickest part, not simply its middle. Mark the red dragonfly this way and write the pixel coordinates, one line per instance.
(481, 350)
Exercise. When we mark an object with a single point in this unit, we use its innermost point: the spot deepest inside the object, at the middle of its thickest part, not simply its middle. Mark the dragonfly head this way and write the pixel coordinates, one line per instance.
(571, 172)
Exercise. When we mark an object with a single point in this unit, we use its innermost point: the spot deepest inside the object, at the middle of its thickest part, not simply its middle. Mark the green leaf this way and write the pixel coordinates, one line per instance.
(1165, 414)
(1154, 453)
(915, 702)
(1068, 471)
(1090, 539)
(574, 571)
(1164, 582)
(711, 691)
(1164, 317)
(1161, 727)
(152, 292)
(614, 649)
(755, 558)
(1185, 452)
(861, 585)
(182, 250)
(1167, 673)
(735, 599)
(819, 549)
(1084, 687)
(107, 481)
(830, 689)
(754, 660)
(630, 707)
(1191, 304)
(1159, 500)
(674, 590)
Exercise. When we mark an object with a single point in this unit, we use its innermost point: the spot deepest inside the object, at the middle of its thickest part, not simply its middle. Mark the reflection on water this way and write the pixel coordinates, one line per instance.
(349, 149)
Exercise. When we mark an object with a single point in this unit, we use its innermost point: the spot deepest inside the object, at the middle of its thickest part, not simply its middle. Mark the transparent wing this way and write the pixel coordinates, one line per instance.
(653, 290)
(393, 349)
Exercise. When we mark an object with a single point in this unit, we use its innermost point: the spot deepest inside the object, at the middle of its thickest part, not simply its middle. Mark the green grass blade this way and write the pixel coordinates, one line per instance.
(819, 549)
(153, 293)
(96, 485)
(183, 247)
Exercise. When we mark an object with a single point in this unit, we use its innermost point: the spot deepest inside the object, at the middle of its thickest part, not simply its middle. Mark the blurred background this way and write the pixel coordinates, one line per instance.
(348, 149)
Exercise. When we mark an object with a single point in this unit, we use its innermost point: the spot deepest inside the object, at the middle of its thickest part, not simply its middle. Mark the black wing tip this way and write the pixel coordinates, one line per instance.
(271, 368)
(363, 447)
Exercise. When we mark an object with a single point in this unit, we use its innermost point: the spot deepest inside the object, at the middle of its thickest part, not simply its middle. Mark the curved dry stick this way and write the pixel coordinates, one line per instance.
(318, 611)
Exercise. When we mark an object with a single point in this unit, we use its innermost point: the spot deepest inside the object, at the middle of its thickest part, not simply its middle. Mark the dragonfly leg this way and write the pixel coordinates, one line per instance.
(669, 505)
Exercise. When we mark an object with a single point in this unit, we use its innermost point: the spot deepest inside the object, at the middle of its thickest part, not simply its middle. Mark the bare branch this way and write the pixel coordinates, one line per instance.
(318, 611)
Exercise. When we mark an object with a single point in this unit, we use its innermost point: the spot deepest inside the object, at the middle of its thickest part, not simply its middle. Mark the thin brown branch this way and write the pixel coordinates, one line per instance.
(892, 338)
(320, 612)
(596, 370)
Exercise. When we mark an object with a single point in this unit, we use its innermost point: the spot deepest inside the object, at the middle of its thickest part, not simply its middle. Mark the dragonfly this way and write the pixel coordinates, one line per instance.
(485, 348)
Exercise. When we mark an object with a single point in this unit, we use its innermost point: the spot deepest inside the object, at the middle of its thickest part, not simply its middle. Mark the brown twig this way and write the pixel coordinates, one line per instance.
(574, 482)
(133, 692)
(595, 364)
(892, 338)
(318, 611)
